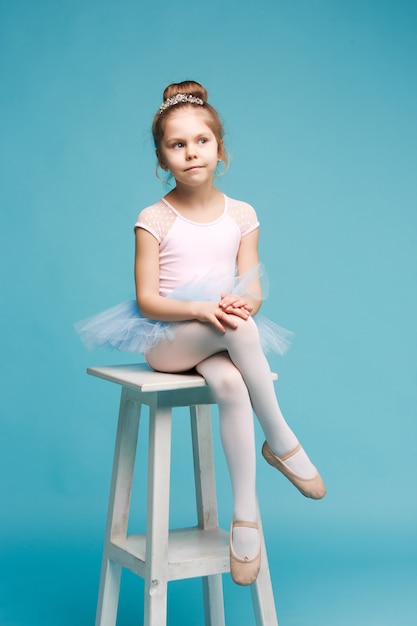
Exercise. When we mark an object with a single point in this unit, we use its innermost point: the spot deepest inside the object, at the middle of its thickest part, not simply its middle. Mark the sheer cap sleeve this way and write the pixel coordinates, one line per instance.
(244, 215)
(157, 220)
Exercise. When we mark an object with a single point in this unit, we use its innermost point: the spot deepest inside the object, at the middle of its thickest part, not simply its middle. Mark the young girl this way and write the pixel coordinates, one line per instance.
(198, 289)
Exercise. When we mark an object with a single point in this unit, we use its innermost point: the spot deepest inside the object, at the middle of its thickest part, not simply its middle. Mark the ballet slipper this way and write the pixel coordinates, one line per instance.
(310, 487)
(244, 571)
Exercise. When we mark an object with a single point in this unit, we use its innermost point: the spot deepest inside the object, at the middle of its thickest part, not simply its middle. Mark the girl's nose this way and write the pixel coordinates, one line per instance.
(191, 152)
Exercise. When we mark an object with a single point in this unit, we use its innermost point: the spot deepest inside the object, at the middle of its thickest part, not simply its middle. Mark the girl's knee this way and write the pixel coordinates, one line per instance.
(229, 383)
(246, 330)
(232, 378)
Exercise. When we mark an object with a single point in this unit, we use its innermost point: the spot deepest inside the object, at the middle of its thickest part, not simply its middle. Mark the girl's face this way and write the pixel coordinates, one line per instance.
(189, 148)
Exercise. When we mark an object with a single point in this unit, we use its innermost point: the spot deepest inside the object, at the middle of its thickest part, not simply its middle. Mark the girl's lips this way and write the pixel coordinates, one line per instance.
(194, 167)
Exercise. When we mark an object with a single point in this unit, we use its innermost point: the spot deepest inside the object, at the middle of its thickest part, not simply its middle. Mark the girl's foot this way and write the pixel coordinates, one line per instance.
(297, 467)
(245, 541)
(245, 552)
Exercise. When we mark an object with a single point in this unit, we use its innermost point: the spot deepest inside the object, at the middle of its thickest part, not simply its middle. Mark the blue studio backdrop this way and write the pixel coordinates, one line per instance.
(319, 101)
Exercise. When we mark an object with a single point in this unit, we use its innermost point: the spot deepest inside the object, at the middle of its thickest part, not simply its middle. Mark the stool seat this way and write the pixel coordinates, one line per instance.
(161, 554)
(142, 377)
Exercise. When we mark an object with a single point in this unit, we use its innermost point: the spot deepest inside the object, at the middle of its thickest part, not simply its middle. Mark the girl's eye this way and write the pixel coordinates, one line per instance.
(178, 144)
(203, 140)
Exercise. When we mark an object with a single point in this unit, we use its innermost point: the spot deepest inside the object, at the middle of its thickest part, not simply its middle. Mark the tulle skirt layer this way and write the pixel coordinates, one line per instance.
(124, 328)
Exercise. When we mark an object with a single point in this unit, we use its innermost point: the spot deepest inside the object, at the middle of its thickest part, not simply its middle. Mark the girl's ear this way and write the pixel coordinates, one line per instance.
(220, 151)
(161, 163)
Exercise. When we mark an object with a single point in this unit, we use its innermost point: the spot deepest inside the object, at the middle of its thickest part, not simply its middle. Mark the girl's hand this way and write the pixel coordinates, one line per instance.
(235, 305)
(215, 314)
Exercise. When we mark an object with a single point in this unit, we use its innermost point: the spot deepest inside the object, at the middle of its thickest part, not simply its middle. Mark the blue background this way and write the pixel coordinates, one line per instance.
(319, 100)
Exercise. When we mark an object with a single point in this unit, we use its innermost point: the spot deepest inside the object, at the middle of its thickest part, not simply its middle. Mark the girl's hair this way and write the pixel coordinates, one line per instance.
(189, 88)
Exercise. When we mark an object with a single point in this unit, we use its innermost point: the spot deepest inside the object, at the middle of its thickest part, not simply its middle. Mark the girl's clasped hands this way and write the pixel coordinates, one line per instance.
(223, 314)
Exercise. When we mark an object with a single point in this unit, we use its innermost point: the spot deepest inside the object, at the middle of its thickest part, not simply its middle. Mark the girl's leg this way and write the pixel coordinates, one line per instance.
(238, 439)
(195, 341)
(236, 420)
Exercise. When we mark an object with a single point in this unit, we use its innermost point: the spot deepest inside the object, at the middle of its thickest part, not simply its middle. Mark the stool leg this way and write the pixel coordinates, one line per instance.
(205, 485)
(205, 482)
(119, 505)
(159, 460)
(262, 592)
(108, 598)
(213, 600)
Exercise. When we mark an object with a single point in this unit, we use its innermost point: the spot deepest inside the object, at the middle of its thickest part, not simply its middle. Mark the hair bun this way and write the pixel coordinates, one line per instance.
(188, 88)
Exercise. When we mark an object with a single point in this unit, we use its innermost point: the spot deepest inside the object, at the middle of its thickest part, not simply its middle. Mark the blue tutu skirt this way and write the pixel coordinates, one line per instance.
(124, 328)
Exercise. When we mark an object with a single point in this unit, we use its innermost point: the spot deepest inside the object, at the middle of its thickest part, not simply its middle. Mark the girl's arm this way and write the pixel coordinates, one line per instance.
(156, 307)
(247, 259)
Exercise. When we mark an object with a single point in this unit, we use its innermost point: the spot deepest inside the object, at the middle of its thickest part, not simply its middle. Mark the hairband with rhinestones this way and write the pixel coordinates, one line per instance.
(180, 97)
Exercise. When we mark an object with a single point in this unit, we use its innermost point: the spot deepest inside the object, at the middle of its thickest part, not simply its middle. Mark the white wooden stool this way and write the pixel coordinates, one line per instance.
(162, 555)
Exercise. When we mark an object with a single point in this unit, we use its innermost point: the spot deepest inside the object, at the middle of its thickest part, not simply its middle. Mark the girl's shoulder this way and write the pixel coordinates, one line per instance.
(243, 214)
(157, 219)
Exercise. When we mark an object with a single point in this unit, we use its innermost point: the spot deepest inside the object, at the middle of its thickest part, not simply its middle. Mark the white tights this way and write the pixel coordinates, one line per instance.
(238, 372)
